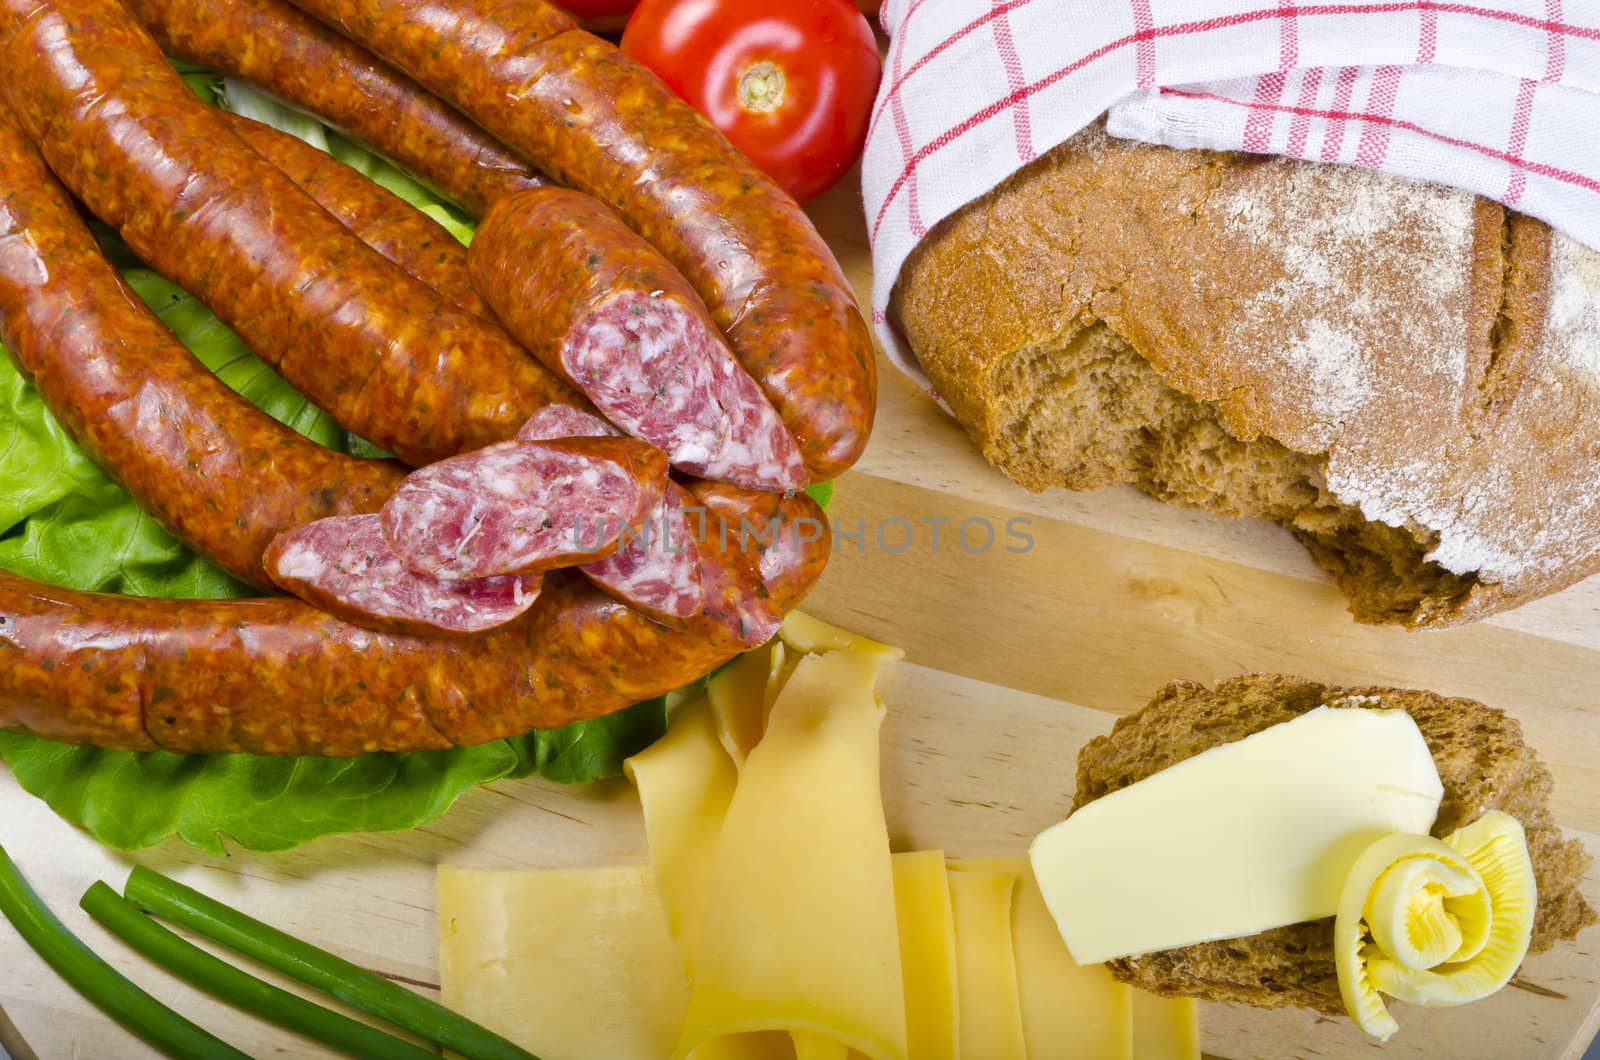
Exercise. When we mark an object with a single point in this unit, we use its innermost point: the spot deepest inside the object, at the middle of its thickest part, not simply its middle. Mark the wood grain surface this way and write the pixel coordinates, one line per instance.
(1015, 658)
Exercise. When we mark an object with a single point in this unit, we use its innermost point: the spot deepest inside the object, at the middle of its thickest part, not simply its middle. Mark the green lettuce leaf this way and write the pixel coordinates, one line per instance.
(63, 521)
(576, 754)
(131, 800)
(822, 493)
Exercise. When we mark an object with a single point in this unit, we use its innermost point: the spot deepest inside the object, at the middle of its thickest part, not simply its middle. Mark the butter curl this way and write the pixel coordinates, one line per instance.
(1434, 922)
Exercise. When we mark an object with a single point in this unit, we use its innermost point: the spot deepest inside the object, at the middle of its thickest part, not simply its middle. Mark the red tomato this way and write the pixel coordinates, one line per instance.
(601, 16)
(790, 82)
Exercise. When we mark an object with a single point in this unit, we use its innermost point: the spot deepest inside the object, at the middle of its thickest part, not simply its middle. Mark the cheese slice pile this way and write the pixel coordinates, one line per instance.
(772, 921)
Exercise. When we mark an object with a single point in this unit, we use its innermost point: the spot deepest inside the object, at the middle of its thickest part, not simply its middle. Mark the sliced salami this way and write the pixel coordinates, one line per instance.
(524, 507)
(344, 565)
(743, 542)
(600, 306)
(732, 599)
(563, 421)
(658, 572)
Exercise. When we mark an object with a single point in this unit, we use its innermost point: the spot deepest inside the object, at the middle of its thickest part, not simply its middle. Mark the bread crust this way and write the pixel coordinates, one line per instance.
(1483, 764)
(1405, 375)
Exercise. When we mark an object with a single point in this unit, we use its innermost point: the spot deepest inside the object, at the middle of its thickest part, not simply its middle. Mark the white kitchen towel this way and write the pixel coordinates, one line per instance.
(1500, 97)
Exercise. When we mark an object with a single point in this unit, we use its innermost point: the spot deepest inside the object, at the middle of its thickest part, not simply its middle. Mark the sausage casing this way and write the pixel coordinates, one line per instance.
(272, 44)
(349, 329)
(277, 676)
(379, 218)
(595, 120)
(219, 473)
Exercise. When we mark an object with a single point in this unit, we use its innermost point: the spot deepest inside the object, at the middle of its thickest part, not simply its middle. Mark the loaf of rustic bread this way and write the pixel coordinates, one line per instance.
(1406, 376)
(1482, 762)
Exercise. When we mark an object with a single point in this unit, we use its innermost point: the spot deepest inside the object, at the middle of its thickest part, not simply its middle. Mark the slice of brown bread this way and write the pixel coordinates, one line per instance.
(1482, 762)
(1406, 376)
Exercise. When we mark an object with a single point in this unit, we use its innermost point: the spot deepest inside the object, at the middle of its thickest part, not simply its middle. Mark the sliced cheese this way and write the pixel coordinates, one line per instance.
(779, 668)
(743, 692)
(818, 1047)
(809, 635)
(759, 1045)
(1165, 1028)
(685, 782)
(1247, 836)
(990, 1006)
(566, 963)
(928, 955)
(804, 938)
(739, 695)
(1068, 1009)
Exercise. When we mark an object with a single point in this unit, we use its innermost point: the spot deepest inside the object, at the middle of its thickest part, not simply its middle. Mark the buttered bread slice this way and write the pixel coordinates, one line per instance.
(1482, 764)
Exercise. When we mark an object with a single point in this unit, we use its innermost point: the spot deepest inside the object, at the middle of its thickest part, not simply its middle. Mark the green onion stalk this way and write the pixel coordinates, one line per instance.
(301, 961)
(227, 983)
(108, 989)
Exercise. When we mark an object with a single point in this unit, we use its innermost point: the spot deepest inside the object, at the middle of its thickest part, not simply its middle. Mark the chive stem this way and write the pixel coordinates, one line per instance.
(317, 968)
(88, 974)
(11, 1040)
(241, 989)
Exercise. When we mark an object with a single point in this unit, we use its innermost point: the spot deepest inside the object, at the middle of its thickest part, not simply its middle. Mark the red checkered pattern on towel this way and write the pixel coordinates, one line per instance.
(1501, 97)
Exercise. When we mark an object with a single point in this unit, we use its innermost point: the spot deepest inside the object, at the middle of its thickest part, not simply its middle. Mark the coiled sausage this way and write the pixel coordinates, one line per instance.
(138, 402)
(595, 120)
(277, 676)
(349, 329)
(271, 44)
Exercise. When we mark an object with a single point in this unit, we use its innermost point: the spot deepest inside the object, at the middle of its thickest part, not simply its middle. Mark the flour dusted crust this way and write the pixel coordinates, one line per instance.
(1405, 375)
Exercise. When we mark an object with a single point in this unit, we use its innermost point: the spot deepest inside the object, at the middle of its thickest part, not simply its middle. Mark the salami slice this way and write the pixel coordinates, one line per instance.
(742, 545)
(563, 421)
(600, 306)
(732, 599)
(524, 507)
(344, 565)
(657, 573)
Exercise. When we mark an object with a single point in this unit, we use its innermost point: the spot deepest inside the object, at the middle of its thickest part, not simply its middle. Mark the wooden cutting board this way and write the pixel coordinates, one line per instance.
(1015, 658)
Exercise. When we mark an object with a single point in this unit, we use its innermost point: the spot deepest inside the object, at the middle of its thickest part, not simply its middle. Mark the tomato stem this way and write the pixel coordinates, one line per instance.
(761, 88)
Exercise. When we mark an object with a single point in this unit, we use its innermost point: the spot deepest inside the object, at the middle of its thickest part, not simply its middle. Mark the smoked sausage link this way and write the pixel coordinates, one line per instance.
(277, 676)
(379, 218)
(223, 476)
(351, 330)
(595, 120)
(604, 310)
(272, 44)
(760, 538)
